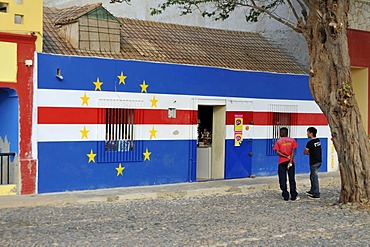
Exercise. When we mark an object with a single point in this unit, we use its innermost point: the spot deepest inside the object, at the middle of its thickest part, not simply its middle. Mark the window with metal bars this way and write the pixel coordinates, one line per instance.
(281, 116)
(120, 144)
(119, 129)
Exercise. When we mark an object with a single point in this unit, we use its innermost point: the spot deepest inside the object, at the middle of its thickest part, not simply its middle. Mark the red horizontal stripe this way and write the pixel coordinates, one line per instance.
(264, 118)
(247, 117)
(312, 119)
(62, 115)
(161, 117)
(74, 115)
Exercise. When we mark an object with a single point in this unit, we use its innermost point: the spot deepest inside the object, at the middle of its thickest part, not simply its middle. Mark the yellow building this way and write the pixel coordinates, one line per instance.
(22, 17)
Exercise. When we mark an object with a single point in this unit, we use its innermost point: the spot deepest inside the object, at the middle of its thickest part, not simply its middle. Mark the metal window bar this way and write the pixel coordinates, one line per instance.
(120, 144)
(281, 116)
(5, 163)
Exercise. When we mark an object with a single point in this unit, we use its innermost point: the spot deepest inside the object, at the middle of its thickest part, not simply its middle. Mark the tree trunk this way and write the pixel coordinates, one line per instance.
(331, 87)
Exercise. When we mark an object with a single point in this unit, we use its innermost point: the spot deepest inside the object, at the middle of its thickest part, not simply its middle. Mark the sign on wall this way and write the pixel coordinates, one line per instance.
(238, 130)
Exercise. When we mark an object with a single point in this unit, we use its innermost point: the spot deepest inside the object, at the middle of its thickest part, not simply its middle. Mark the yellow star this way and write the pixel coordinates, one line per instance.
(154, 102)
(120, 169)
(91, 156)
(122, 78)
(153, 133)
(84, 133)
(98, 84)
(144, 87)
(147, 155)
(85, 99)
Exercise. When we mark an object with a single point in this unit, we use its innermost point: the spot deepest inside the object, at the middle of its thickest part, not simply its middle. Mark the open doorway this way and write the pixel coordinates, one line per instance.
(8, 140)
(211, 142)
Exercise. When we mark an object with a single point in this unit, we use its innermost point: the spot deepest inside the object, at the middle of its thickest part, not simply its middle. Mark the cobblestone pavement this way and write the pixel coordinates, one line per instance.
(258, 218)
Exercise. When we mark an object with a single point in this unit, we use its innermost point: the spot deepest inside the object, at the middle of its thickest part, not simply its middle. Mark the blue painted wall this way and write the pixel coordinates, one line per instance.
(9, 117)
(238, 161)
(64, 166)
(80, 72)
(265, 165)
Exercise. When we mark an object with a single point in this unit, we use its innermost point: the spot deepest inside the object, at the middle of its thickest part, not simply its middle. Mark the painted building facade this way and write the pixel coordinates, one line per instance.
(135, 117)
(359, 51)
(22, 17)
(287, 39)
(111, 123)
(16, 110)
(20, 37)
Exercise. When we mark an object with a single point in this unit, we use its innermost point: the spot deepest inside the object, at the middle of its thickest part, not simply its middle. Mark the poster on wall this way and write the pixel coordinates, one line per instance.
(238, 130)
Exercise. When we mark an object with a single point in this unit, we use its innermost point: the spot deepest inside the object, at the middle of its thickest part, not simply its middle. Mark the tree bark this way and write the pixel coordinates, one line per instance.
(331, 87)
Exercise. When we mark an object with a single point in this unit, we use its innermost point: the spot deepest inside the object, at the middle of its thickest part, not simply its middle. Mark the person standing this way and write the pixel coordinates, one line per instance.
(313, 149)
(285, 147)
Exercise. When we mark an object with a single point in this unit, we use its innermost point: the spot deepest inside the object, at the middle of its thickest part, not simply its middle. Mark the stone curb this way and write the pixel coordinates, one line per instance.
(165, 192)
(301, 185)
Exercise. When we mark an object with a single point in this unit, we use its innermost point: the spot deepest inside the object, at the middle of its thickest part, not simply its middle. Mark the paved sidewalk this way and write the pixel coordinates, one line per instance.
(178, 190)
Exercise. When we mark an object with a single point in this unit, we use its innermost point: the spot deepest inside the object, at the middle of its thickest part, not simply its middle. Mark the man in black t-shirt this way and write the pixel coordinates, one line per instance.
(313, 149)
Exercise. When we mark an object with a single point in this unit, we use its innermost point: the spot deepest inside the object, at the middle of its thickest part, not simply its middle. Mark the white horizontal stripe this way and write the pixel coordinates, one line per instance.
(72, 132)
(265, 132)
(302, 105)
(72, 98)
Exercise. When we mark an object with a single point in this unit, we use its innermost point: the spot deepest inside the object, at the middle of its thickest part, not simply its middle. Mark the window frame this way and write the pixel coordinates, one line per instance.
(281, 116)
(119, 126)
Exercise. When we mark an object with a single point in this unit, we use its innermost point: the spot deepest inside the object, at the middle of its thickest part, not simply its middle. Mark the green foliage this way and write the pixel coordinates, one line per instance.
(220, 9)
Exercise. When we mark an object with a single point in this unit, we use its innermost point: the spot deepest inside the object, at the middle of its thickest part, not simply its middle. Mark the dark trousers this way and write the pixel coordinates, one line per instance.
(282, 171)
(314, 178)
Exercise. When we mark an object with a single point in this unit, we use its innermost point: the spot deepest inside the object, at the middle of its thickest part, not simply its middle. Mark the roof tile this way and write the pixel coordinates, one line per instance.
(172, 43)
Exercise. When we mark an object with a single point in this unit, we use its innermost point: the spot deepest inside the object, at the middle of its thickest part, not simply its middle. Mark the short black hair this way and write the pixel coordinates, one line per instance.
(284, 131)
(312, 130)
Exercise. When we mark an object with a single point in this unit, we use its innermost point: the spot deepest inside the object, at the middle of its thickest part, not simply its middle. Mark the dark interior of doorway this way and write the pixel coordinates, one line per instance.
(205, 118)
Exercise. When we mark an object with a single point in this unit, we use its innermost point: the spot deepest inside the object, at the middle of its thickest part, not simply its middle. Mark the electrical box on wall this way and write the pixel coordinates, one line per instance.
(171, 112)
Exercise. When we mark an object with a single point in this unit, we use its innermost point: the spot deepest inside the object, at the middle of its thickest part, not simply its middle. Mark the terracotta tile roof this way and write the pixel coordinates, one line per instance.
(171, 43)
(68, 15)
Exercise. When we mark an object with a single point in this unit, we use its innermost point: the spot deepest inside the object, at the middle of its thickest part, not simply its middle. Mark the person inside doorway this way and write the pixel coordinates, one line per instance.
(206, 137)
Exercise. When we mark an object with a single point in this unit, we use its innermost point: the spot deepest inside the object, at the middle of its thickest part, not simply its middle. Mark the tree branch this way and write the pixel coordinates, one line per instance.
(293, 9)
(284, 21)
(119, 1)
(308, 4)
(304, 10)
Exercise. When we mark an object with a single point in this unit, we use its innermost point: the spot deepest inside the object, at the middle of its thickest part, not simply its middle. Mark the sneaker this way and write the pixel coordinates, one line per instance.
(295, 199)
(286, 199)
(309, 193)
(313, 197)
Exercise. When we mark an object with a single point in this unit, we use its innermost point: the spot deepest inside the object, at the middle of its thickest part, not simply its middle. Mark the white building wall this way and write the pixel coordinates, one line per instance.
(359, 17)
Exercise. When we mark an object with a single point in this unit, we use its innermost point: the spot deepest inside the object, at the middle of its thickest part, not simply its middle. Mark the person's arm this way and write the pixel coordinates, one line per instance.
(292, 156)
(306, 151)
(282, 154)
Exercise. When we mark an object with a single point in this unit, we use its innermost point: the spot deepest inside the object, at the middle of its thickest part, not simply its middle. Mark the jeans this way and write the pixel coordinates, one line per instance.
(314, 177)
(282, 171)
